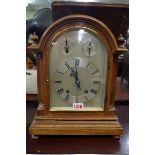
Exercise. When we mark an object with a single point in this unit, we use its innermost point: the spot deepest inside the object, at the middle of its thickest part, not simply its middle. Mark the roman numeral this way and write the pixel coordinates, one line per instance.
(77, 62)
(60, 91)
(60, 72)
(94, 72)
(67, 65)
(93, 91)
(57, 81)
(96, 82)
(67, 98)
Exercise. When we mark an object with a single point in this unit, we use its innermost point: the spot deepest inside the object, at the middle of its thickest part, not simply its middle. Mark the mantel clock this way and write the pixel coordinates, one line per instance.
(77, 65)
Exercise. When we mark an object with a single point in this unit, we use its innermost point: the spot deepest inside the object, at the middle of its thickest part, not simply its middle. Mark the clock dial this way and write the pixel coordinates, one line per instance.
(77, 70)
(89, 47)
(66, 46)
(80, 81)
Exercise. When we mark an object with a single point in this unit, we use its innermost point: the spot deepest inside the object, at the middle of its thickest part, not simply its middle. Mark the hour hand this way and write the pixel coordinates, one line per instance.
(66, 49)
(77, 79)
(78, 84)
(75, 74)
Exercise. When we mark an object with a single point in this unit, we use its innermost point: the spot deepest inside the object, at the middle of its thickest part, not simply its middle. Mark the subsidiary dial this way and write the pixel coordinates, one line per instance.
(89, 47)
(66, 46)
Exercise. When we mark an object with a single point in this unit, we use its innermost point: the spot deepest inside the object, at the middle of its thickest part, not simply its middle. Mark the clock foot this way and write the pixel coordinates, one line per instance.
(34, 136)
(116, 136)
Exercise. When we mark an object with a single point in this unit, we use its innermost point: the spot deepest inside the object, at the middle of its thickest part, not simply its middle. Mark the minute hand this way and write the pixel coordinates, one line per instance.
(77, 82)
(75, 74)
(77, 78)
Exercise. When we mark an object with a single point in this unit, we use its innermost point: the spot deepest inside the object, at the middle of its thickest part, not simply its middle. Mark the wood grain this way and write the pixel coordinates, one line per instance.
(76, 123)
(49, 127)
(71, 144)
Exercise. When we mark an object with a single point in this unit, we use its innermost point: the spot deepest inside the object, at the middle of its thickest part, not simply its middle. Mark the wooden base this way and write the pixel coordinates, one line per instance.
(57, 127)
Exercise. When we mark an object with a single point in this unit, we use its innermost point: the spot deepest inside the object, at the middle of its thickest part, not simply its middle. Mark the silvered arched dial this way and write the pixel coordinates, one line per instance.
(77, 80)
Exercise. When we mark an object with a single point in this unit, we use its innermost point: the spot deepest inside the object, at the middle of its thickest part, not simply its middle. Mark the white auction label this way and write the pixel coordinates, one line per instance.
(78, 106)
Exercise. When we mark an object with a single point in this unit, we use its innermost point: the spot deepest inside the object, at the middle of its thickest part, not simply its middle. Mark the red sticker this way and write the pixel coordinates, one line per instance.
(78, 106)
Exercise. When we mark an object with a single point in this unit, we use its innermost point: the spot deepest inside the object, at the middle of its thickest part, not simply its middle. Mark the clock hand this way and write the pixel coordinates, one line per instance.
(89, 47)
(70, 68)
(77, 81)
(75, 74)
(77, 78)
(78, 84)
(66, 46)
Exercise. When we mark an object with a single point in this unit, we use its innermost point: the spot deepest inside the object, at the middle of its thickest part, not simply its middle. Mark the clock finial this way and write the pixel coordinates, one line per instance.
(33, 38)
(121, 41)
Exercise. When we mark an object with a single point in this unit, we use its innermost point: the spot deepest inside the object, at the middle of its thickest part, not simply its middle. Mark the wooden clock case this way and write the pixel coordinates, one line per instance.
(76, 122)
(114, 15)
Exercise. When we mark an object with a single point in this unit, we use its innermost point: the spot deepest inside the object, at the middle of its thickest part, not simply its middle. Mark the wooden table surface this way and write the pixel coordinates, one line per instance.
(79, 144)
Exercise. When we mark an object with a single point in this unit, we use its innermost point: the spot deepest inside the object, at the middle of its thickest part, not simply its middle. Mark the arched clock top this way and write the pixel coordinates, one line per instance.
(77, 77)
(79, 21)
